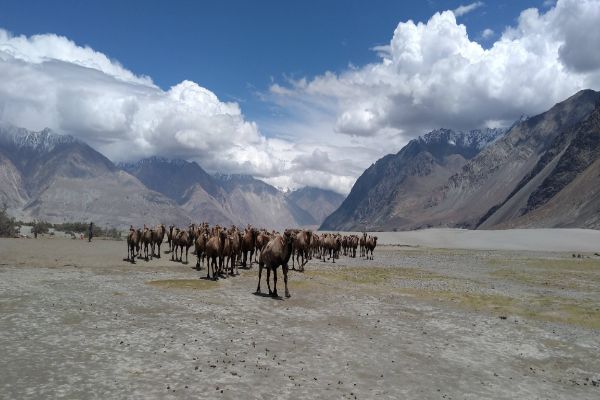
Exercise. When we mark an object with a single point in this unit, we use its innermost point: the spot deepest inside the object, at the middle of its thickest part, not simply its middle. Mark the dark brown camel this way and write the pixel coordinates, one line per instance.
(275, 253)
(248, 245)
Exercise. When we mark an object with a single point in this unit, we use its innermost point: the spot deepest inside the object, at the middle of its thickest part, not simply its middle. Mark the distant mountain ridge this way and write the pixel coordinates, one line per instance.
(501, 180)
(44, 175)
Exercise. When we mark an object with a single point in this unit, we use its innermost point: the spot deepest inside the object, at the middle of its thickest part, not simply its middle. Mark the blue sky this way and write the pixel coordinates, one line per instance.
(236, 48)
(295, 93)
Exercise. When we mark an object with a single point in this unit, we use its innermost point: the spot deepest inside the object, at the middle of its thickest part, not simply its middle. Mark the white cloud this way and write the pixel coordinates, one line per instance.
(462, 10)
(487, 33)
(433, 75)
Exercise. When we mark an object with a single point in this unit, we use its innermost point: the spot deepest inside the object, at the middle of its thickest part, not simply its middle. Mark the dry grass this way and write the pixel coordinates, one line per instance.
(585, 313)
(195, 284)
(373, 275)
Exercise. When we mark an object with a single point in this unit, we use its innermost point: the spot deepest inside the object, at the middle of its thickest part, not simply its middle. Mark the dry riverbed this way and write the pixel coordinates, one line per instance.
(78, 322)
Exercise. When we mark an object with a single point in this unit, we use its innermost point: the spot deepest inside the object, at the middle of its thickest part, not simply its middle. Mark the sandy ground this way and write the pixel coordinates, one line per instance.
(416, 322)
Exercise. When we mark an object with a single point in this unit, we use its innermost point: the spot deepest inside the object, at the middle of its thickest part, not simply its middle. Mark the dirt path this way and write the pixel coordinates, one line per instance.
(78, 322)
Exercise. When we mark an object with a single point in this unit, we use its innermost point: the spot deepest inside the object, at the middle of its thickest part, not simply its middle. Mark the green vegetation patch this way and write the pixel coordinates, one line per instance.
(195, 284)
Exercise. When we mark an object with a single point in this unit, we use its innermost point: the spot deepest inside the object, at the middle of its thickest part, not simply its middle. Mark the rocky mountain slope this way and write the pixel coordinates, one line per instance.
(391, 193)
(44, 175)
(319, 203)
(231, 199)
(58, 178)
(514, 181)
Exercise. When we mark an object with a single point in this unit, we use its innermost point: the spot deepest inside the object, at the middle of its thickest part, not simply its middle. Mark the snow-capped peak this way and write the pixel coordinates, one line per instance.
(476, 138)
(43, 141)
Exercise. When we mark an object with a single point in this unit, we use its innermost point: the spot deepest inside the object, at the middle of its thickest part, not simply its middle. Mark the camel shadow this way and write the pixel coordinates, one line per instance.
(261, 294)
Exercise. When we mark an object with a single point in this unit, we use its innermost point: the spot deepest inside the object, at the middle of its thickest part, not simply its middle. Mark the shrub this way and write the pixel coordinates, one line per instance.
(8, 226)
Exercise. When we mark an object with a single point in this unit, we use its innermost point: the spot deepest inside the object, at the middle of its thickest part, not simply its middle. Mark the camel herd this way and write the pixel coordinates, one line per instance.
(221, 250)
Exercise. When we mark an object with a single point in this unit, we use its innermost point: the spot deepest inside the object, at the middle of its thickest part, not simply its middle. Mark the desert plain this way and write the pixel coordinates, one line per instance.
(438, 314)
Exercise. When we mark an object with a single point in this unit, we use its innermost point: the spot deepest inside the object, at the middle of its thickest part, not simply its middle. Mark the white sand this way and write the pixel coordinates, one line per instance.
(575, 240)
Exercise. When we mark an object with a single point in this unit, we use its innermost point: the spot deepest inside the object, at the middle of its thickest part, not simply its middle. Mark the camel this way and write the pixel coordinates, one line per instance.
(332, 245)
(147, 241)
(275, 253)
(183, 238)
(170, 236)
(132, 244)
(158, 235)
(362, 242)
(345, 245)
(248, 245)
(302, 247)
(316, 243)
(200, 247)
(226, 253)
(214, 248)
(353, 244)
(236, 248)
(370, 246)
(261, 240)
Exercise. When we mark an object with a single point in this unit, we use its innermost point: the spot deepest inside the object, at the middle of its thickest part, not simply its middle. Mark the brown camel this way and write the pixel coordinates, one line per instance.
(353, 244)
(370, 246)
(362, 242)
(214, 248)
(236, 248)
(132, 244)
(275, 253)
(183, 239)
(225, 256)
(261, 241)
(200, 247)
(331, 244)
(248, 245)
(158, 235)
(147, 241)
(170, 236)
(302, 247)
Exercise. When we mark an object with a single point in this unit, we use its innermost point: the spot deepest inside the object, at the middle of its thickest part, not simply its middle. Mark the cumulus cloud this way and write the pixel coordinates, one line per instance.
(465, 9)
(433, 75)
(49, 81)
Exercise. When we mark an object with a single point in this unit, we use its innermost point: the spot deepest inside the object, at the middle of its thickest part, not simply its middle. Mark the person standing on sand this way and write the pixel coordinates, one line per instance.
(90, 231)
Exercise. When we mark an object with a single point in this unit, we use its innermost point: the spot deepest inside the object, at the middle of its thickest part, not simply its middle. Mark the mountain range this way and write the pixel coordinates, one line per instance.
(544, 171)
(57, 178)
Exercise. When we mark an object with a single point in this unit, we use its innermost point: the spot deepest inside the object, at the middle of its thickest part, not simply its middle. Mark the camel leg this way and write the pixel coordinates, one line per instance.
(260, 267)
(274, 282)
(269, 281)
(285, 280)
(186, 254)
(251, 253)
